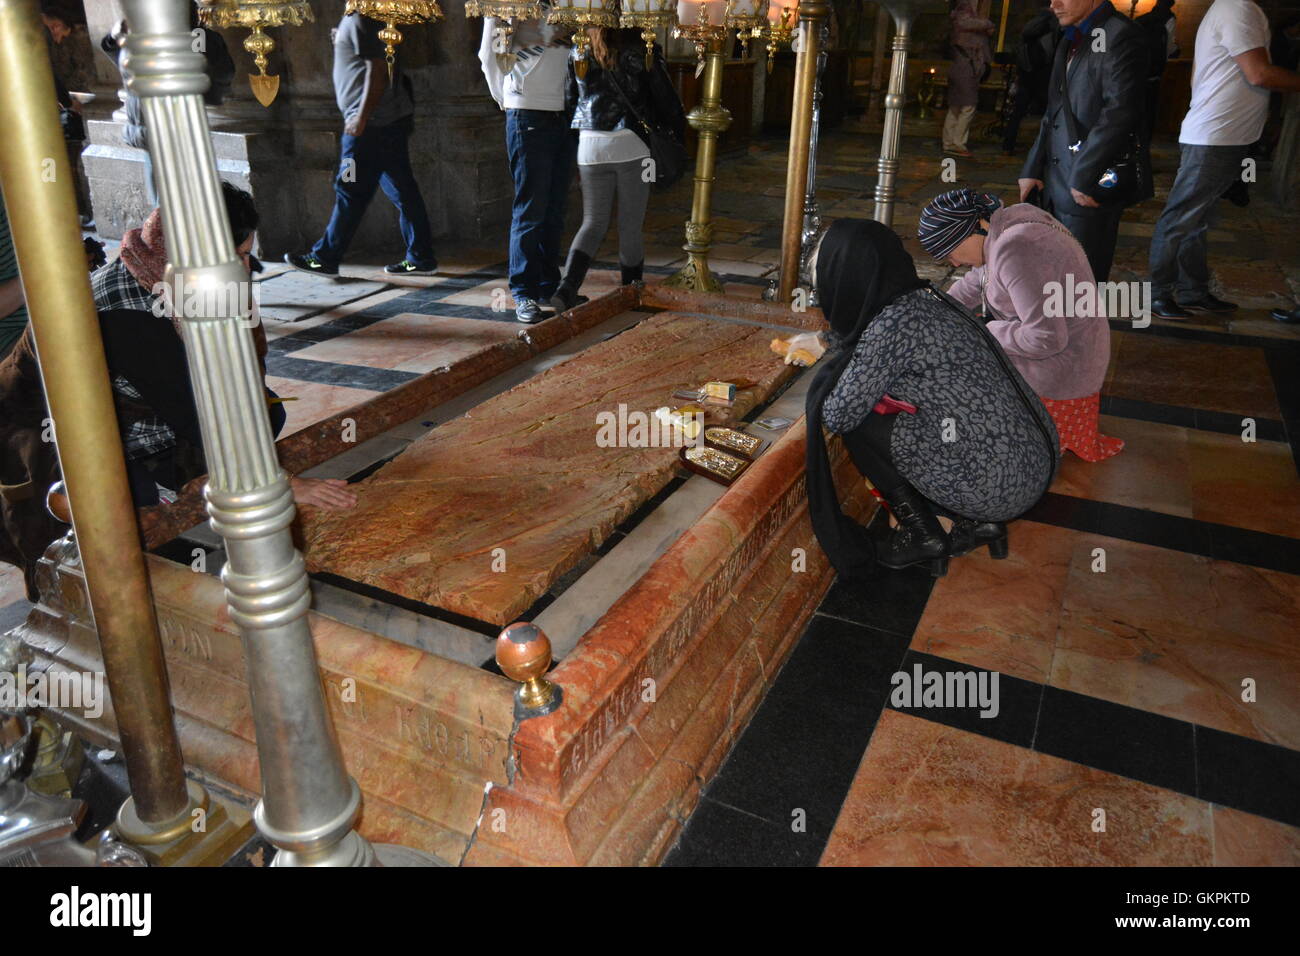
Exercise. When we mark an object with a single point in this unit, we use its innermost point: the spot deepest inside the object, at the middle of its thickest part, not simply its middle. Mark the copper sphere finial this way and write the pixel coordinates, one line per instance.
(56, 502)
(524, 655)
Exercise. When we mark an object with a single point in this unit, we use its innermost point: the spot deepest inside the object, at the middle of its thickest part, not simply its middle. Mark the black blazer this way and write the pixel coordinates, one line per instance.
(1107, 92)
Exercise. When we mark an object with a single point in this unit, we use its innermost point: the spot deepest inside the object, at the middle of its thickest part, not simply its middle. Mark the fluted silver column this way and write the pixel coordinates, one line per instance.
(308, 803)
(903, 12)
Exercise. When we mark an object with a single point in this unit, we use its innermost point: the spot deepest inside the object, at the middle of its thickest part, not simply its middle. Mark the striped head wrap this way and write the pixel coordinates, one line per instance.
(951, 218)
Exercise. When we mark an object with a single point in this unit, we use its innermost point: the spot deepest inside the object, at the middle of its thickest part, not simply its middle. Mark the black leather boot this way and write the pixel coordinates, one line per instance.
(967, 535)
(566, 296)
(918, 538)
(630, 274)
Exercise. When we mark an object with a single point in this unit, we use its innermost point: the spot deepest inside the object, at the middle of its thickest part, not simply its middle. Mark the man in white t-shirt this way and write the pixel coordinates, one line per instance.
(1231, 80)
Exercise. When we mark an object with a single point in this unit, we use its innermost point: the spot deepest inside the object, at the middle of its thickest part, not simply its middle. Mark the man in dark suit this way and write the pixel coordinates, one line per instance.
(1100, 64)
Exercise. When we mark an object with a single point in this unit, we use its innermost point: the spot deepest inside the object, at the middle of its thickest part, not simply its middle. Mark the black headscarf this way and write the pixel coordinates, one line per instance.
(861, 268)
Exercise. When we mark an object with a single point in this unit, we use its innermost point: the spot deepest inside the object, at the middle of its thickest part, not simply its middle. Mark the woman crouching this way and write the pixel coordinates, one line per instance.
(1016, 255)
(930, 409)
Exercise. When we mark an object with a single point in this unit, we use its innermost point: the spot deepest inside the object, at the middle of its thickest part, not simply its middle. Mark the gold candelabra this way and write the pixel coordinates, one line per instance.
(649, 16)
(505, 12)
(778, 31)
(579, 15)
(393, 13)
(709, 119)
(257, 15)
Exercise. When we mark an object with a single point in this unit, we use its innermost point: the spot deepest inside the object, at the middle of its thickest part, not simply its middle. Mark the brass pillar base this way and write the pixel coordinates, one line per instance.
(59, 756)
(185, 841)
(695, 276)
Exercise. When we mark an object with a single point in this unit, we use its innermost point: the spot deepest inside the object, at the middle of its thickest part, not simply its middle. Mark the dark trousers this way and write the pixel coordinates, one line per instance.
(1179, 265)
(1031, 95)
(1097, 231)
(868, 448)
(1152, 107)
(379, 157)
(543, 152)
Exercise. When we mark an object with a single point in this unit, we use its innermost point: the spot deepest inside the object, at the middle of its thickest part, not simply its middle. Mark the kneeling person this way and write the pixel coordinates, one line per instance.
(147, 361)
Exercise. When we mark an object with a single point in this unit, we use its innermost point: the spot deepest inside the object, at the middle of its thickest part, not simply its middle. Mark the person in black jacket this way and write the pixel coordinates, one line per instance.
(1033, 68)
(1099, 76)
(1159, 24)
(611, 101)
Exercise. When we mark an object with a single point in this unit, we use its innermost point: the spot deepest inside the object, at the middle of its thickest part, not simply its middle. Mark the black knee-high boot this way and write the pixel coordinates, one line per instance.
(566, 296)
(630, 274)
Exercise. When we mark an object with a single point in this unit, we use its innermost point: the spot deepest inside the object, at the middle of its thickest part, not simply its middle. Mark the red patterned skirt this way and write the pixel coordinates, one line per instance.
(1077, 423)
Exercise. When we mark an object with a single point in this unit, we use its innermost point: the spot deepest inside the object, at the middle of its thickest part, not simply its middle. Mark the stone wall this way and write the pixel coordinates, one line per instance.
(287, 155)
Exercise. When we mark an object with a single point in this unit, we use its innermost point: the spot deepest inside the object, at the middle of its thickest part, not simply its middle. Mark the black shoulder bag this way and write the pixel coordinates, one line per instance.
(668, 155)
(1123, 181)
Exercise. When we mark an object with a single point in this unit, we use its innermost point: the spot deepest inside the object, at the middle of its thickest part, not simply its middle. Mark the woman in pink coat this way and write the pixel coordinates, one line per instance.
(1032, 279)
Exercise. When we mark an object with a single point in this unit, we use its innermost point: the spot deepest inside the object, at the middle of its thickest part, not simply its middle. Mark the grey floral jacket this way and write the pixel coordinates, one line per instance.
(981, 444)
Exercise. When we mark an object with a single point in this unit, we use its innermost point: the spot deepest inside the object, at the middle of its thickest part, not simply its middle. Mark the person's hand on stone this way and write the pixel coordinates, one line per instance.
(332, 494)
(804, 349)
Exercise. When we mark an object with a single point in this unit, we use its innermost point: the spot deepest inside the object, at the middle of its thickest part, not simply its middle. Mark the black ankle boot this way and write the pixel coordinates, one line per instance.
(630, 274)
(968, 535)
(566, 296)
(919, 536)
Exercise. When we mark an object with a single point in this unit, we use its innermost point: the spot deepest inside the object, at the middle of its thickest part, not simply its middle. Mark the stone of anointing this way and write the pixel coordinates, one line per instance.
(485, 512)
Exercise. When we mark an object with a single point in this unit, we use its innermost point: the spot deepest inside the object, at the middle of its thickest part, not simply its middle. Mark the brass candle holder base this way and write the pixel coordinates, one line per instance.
(709, 119)
(206, 833)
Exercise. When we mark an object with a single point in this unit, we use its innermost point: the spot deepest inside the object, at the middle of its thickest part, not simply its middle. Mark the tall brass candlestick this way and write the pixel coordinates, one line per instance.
(158, 817)
(709, 119)
(812, 13)
(43, 211)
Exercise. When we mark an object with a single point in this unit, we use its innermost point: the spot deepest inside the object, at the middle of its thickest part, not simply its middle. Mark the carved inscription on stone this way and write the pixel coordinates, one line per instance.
(185, 637)
(699, 612)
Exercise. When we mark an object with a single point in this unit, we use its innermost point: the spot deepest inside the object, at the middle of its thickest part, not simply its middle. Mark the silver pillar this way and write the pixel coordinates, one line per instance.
(309, 803)
(903, 12)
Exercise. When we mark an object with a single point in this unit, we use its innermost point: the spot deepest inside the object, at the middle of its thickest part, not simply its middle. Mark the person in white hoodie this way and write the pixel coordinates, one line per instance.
(541, 148)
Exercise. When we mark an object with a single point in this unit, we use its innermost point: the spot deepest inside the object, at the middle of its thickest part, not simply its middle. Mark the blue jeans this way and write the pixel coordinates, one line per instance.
(543, 152)
(378, 157)
(1178, 258)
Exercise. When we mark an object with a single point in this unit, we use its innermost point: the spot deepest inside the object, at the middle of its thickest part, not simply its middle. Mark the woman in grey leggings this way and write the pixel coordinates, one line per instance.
(615, 94)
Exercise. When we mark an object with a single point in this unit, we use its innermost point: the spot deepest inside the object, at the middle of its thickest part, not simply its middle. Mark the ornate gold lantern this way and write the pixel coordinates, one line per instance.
(580, 14)
(649, 15)
(256, 15)
(505, 12)
(778, 29)
(745, 17)
(393, 12)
